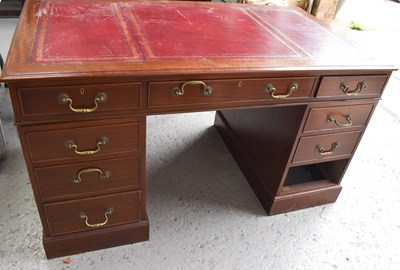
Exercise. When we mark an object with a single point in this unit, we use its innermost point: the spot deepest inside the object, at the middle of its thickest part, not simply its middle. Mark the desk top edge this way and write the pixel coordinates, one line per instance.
(19, 65)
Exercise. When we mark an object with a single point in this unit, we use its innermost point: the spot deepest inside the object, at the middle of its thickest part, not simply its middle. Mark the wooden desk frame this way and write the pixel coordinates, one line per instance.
(292, 125)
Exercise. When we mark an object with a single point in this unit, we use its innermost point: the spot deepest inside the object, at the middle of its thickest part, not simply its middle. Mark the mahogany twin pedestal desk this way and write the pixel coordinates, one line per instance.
(292, 99)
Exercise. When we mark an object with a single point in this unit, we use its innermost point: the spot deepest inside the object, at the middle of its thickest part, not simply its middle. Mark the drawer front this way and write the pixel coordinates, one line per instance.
(97, 212)
(196, 92)
(62, 100)
(88, 179)
(352, 86)
(321, 147)
(337, 118)
(83, 142)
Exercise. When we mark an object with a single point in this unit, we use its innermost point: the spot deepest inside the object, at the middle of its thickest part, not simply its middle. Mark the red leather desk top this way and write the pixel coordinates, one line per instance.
(83, 32)
(62, 37)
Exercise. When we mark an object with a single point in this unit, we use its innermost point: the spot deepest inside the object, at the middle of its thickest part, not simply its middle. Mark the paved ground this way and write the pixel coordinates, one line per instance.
(205, 217)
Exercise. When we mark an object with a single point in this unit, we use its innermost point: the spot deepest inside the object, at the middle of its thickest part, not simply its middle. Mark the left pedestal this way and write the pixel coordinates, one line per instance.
(87, 169)
(88, 181)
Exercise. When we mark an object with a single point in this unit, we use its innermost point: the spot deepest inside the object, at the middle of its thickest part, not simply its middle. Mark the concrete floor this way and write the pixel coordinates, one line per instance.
(203, 213)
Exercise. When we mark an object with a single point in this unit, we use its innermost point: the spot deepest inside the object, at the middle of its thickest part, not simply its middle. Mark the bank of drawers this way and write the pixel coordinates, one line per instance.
(333, 130)
(96, 182)
(87, 172)
(197, 92)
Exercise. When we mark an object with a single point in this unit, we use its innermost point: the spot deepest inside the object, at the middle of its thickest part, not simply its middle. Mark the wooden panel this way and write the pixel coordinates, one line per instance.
(324, 194)
(331, 86)
(161, 93)
(64, 217)
(338, 118)
(261, 141)
(306, 187)
(52, 144)
(74, 243)
(306, 150)
(45, 102)
(61, 182)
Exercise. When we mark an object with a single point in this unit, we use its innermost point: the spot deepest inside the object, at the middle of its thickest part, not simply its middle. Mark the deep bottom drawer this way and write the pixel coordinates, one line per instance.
(92, 213)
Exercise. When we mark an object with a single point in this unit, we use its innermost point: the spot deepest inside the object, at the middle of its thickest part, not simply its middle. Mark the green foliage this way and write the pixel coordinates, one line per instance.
(356, 26)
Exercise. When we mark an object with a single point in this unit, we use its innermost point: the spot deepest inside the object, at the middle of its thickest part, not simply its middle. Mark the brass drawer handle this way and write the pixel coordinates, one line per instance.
(346, 88)
(84, 216)
(322, 151)
(271, 89)
(72, 145)
(180, 91)
(348, 118)
(103, 175)
(64, 98)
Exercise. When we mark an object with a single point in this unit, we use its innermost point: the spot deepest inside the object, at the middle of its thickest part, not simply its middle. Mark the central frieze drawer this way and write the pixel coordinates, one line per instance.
(69, 144)
(322, 147)
(89, 178)
(45, 102)
(338, 118)
(209, 91)
(93, 213)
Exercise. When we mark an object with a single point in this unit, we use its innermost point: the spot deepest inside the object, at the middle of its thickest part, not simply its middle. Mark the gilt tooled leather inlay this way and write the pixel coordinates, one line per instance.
(144, 31)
